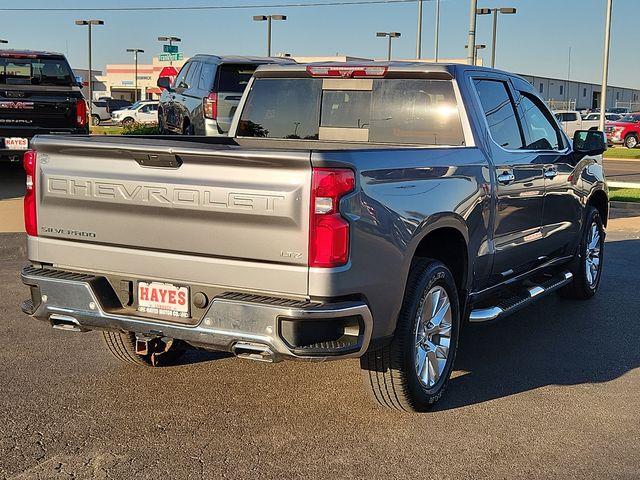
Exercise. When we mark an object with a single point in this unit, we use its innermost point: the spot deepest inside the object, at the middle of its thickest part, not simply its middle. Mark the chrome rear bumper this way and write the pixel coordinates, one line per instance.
(247, 325)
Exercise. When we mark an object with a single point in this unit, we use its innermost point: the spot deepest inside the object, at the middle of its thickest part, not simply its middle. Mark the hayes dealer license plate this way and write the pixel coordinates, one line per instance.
(163, 299)
(16, 143)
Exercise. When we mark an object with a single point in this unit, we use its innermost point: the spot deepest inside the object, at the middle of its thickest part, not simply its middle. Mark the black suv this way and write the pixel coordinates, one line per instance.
(38, 94)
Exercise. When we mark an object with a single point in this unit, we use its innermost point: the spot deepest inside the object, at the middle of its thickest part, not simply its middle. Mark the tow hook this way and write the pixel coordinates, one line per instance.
(155, 347)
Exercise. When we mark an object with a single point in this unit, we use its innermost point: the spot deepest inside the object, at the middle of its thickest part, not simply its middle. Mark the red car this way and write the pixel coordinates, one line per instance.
(624, 131)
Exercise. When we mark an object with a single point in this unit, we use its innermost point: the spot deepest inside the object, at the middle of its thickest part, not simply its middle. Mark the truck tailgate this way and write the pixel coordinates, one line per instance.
(223, 206)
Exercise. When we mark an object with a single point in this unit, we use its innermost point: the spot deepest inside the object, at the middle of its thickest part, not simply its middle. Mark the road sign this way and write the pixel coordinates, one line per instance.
(169, 72)
(168, 57)
(170, 48)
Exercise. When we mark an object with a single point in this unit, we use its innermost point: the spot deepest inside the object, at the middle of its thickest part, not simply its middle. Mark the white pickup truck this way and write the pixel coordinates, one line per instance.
(571, 121)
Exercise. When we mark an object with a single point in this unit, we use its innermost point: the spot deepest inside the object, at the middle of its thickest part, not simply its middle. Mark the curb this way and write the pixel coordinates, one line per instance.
(633, 206)
(623, 184)
(13, 246)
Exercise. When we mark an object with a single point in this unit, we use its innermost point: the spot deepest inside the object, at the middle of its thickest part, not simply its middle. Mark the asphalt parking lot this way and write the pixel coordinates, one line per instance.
(553, 392)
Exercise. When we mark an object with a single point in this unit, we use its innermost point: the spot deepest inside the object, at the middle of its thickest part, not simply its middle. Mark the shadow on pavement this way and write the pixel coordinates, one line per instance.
(555, 342)
(11, 180)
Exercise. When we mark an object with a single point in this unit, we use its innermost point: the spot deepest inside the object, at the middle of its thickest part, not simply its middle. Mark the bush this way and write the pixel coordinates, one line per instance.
(140, 129)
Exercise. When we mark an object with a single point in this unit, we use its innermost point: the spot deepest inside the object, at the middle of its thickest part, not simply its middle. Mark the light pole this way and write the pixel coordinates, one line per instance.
(89, 23)
(605, 64)
(4, 41)
(419, 35)
(495, 11)
(135, 52)
(480, 46)
(471, 40)
(170, 40)
(437, 40)
(268, 18)
(391, 36)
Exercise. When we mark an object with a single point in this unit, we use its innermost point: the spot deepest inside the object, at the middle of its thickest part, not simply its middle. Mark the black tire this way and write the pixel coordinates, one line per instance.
(389, 373)
(188, 129)
(95, 120)
(161, 129)
(128, 121)
(122, 345)
(582, 288)
(631, 141)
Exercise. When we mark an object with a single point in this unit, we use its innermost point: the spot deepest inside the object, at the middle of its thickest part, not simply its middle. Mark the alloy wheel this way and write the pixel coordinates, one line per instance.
(592, 257)
(432, 336)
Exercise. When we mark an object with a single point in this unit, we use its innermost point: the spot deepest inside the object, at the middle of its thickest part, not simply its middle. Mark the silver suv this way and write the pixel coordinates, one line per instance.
(205, 94)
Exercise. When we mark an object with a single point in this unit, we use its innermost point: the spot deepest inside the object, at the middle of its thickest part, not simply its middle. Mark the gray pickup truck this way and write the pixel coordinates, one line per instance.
(355, 211)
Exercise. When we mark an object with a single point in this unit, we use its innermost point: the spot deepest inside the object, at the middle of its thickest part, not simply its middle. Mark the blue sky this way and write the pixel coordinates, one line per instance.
(534, 41)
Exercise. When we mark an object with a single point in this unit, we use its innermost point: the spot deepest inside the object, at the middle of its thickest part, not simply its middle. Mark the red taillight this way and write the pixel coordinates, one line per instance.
(81, 113)
(346, 72)
(329, 231)
(210, 106)
(30, 219)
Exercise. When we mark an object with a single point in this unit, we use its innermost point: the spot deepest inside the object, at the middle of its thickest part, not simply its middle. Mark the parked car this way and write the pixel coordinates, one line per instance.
(625, 131)
(99, 112)
(38, 94)
(595, 117)
(145, 111)
(206, 93)
(571, 121)
(620, 110)
(355, 211)
(114, 104)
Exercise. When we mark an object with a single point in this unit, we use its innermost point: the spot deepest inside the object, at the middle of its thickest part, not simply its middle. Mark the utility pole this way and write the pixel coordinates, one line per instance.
(605, 64)
(471, 40)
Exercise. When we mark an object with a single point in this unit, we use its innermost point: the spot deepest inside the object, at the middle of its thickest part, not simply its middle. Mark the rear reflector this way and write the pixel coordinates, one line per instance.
(210, 106)
(346, 72)
(329, 231)
(81, 112)
(30, 218)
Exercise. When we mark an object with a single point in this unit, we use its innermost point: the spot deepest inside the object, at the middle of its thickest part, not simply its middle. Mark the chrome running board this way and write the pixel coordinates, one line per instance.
(510, 305)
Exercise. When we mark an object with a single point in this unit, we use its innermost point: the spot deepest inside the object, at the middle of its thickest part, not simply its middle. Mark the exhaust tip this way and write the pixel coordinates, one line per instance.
(65, 322)
(254, 351)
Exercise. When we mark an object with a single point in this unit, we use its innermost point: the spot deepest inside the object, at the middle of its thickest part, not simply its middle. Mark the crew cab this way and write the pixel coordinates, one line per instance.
(572, 121)
(625, 131)
(38, 94)
(356, 211)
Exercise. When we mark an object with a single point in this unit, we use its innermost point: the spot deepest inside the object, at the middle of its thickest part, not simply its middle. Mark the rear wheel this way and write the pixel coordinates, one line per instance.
(128, 121)
(631, 141)
(122, 345)
(95, 120)
(587, 265)
(188, 129)
(412, 372)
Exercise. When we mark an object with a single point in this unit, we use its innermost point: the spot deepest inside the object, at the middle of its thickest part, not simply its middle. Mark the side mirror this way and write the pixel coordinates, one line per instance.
(164, 83)
(589, 142)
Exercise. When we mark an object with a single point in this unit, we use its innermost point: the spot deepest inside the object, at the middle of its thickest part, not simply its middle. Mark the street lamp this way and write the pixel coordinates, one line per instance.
(495, 11)
(89, 23)
(268, 18)
(479, 46)
(605, 64)
(170, 40)
(391, 35)
(135, 52)
(4, 41)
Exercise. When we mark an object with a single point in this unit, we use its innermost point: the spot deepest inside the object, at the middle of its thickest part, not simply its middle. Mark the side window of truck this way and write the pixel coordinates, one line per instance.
(540, 131)
(500, 113)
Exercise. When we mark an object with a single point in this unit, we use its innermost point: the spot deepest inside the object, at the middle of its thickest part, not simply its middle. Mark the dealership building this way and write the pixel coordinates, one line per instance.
(118, 81)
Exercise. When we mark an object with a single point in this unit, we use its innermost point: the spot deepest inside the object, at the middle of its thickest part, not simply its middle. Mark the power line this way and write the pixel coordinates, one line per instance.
(206, 7)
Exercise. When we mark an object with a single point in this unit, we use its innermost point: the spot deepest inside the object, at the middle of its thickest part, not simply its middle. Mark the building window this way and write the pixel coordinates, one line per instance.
(541, 88)
(584, 92)
(617, 95)
(561, 89)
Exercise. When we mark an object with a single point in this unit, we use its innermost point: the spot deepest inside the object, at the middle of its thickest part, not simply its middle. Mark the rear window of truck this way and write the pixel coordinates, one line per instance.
(234, 78)
(35, 71)
(400, 111)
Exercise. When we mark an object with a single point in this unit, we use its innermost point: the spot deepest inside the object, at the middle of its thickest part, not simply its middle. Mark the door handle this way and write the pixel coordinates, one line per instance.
(506, 177)
(550, 173)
